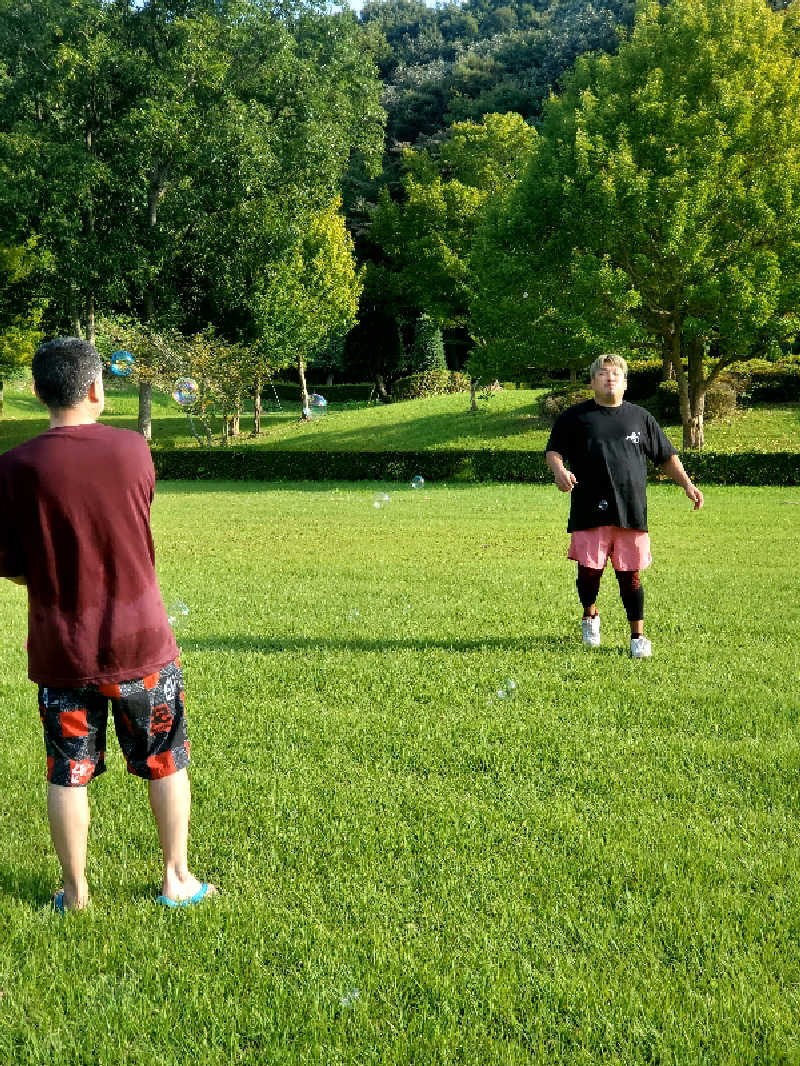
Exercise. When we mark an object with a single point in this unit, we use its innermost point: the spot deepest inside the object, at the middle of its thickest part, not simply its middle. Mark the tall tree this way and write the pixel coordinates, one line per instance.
(664, 201)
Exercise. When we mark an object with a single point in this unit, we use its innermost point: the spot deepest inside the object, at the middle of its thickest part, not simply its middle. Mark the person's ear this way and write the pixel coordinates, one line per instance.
(94, 392)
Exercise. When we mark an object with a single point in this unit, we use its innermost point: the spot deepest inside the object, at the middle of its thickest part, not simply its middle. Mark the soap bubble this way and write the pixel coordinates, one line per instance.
(122, 364)
(350, 998)
(355, 615)
(417, 481)
(177, 613)
(507, 692)
(185, 392)
(381, 498)
(318, 405)
(602, 505)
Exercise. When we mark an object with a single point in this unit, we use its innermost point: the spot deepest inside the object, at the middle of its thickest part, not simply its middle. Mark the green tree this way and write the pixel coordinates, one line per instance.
(663, 204)
(428, 346)
(21, 309)
(427, 237)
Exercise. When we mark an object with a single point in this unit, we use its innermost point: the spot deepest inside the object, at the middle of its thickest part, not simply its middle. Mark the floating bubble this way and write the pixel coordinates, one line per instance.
(185, 392)
(507, 692)
(318, 405)
(417, 481)
(350, 998)
(602, 505)
(354, 615)
(122, 364)
(177, 613)
(381, 498)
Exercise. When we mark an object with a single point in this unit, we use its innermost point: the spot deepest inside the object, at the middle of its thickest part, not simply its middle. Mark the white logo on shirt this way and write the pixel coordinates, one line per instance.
(634, 437)
(169, 689)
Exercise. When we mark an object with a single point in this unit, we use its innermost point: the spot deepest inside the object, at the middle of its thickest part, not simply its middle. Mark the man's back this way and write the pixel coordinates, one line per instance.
(77, 526)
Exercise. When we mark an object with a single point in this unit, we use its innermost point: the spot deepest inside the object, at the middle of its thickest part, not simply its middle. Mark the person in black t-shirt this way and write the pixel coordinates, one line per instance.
(607, 442)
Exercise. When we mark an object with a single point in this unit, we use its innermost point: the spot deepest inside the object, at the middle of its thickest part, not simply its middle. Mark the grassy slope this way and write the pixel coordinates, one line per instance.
(508, 420)
(604, 869)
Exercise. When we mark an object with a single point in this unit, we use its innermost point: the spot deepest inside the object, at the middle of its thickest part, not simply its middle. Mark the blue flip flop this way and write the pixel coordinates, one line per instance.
(58, 902)
(199, 895)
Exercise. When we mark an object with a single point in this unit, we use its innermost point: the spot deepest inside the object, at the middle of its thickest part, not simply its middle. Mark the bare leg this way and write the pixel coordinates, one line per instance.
(68, 814)
(170, 801)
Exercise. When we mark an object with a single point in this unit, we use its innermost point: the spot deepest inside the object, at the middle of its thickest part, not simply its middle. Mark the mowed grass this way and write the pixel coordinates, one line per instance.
(603, 869)
(508, 420)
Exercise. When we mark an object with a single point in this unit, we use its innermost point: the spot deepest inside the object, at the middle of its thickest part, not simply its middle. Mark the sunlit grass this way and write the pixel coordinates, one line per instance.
(508, 420)
(603, 869)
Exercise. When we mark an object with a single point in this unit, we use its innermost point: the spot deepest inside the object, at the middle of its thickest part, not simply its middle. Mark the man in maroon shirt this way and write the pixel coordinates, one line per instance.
(75, 528)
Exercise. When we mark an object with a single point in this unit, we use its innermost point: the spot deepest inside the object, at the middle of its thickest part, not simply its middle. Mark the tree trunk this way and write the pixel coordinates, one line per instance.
(301, 371)
(145, 423)
(692, 390)
(329, 379)
(236, 419)
(381, 387)
(693, 433)
(573, 376)
(1, 396)
(90, 328)
(667, 372)
(256, 407)
(473, 398)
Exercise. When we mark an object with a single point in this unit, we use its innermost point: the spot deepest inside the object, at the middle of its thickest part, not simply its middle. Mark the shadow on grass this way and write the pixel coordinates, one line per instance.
(276, 645)
(25, 885)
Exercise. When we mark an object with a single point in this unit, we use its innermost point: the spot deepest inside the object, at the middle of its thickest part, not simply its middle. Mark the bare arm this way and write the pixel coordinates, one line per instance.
(565, 479)
(674, 468)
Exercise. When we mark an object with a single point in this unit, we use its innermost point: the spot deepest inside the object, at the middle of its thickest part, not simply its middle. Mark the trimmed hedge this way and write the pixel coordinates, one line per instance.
(430, 383)
(289, 393)
(249, 464)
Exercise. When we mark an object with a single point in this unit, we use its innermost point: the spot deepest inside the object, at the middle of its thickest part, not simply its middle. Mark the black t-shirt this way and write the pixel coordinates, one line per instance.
(607, 449)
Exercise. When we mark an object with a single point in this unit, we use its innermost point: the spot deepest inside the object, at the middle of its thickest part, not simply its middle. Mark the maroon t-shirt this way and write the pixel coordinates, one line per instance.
(75, 522)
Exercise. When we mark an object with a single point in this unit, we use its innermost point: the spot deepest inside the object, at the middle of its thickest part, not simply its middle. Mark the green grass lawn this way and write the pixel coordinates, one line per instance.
(603, 869)
(508, 420)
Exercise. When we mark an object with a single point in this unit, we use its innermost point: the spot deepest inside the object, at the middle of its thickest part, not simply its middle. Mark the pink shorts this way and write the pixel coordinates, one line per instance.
(628, 549)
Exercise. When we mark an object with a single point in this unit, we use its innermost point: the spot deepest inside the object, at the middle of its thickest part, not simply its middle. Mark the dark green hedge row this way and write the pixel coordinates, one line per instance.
(430, 383)
(245, 464)
(289, 393)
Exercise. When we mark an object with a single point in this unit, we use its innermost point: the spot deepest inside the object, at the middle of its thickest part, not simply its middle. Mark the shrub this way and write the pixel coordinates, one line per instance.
(289, 393)
(428, 346)
(246, 464)
(720, 401)
(644, 377)
(430, 383)
(552, 405)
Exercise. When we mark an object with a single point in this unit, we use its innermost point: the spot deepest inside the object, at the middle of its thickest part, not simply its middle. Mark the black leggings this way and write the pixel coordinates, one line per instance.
(630, 590)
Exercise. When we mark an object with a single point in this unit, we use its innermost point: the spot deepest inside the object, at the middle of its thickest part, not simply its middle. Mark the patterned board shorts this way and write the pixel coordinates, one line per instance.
(148, 719)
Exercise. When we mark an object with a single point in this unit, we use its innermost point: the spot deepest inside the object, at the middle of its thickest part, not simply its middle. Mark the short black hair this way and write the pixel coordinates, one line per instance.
(63, 369)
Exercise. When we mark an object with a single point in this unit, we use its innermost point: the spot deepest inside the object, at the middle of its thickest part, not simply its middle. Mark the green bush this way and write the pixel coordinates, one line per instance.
(720, 401)
(429, 383)
(764, 382)
(554, 403)
(428, 346)
(644, 377)
(289, 393)
(245, 464)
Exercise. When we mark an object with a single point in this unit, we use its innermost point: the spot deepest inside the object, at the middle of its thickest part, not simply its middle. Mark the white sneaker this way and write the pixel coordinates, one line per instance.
(640, 648)
(590, 630)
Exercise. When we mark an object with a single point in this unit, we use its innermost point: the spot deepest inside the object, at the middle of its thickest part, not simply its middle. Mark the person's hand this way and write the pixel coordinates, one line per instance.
(565, 479)
(695, 495)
